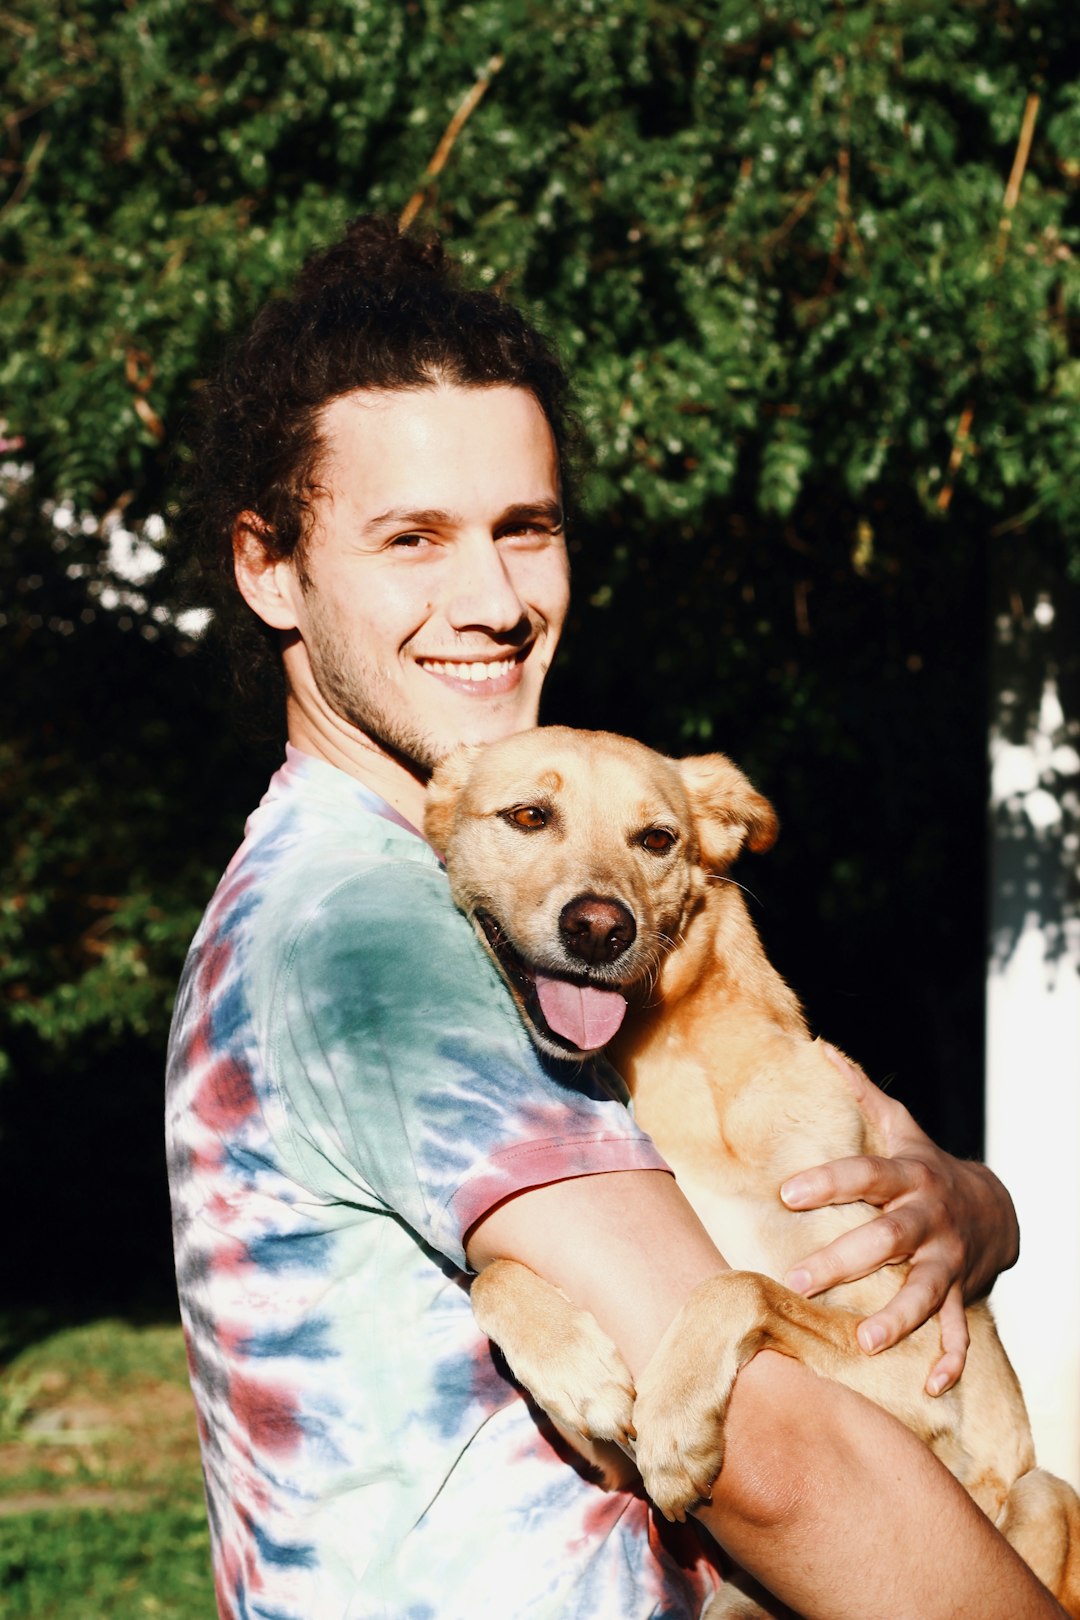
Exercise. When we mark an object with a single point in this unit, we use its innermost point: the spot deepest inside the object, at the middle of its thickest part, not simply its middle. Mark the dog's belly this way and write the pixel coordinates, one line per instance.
(752, 1234)
(758, 1233)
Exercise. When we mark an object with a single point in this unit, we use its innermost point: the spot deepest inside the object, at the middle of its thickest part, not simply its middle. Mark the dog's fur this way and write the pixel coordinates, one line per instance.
(551, 836)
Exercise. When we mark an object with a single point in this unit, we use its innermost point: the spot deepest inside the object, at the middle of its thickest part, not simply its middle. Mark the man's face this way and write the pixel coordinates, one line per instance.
(434, 584)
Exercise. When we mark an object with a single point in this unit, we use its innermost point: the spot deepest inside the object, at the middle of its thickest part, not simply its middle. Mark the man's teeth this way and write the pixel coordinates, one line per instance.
(469, 672)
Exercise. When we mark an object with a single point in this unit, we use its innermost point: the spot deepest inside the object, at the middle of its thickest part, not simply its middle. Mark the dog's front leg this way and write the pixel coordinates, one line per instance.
(558, 1351)
(684, 1392)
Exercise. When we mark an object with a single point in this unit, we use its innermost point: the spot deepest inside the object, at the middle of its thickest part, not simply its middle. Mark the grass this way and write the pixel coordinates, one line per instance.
(101, 1509)
(117, 1565)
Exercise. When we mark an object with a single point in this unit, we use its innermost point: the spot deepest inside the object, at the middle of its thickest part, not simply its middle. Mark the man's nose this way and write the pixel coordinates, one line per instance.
(483, 595)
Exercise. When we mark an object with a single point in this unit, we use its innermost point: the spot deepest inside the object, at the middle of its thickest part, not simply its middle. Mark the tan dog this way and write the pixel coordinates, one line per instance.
(593, 870)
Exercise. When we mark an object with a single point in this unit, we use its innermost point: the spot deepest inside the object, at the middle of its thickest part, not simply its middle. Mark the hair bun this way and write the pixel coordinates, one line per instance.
(375, 254)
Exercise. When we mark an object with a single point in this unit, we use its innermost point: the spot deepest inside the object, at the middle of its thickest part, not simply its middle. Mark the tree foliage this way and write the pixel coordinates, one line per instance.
(826, 362)
(762, 233)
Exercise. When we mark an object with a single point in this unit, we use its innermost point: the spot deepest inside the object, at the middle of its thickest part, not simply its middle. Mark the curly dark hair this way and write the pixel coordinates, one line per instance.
(379, 309)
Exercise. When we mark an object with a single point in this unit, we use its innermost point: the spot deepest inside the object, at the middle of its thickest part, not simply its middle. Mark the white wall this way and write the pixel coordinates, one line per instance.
(1033, 1022)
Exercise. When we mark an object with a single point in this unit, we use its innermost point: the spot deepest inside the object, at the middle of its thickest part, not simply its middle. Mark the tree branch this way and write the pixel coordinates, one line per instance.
(1009, 201)
(468, 106)
(30, 168)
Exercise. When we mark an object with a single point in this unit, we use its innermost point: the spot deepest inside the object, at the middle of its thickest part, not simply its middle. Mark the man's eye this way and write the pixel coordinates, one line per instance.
(409, 541)
(657, 840)
(528, 531)
(528, 816)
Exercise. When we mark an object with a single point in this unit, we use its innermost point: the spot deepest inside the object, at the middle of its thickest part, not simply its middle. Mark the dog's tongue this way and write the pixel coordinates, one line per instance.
(582, 1015)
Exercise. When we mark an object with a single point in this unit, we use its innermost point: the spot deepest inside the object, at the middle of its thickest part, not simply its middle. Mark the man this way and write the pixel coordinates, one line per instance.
(356, 1115)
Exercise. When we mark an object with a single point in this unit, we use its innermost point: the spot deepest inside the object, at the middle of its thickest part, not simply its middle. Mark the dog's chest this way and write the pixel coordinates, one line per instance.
(753, 1234)
(758, 1111)
(779, 1108)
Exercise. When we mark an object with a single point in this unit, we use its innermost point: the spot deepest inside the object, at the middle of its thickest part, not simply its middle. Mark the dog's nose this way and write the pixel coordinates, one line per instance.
(596, 930)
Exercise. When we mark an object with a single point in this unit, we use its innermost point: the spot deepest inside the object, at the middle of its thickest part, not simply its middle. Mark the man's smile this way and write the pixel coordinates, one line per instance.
(488, 676)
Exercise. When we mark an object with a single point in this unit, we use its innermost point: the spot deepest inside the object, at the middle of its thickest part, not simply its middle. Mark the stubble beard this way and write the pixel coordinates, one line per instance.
(352, 690)
(360, 693)
(355, 699)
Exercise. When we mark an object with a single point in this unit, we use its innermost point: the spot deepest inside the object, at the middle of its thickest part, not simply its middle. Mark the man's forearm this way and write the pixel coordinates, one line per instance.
(844, 1514)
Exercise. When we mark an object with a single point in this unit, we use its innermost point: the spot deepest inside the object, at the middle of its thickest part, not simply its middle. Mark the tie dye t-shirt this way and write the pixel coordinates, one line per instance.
(350, 1089)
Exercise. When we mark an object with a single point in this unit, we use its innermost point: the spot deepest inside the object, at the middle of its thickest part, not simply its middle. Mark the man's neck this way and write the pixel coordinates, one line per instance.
(358, 756)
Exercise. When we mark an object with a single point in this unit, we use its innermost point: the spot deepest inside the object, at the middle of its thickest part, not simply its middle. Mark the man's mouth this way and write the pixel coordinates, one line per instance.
(574, 1014)
(482, 675)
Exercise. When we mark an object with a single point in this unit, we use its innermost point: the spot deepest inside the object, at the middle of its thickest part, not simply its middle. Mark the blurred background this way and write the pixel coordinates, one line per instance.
(814, 269)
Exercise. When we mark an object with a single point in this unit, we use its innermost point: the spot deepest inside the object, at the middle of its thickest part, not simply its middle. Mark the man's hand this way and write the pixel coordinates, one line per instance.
(952, 1219)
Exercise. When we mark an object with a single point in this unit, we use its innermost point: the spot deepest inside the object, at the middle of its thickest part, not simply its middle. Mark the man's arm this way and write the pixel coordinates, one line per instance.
(827, 1500)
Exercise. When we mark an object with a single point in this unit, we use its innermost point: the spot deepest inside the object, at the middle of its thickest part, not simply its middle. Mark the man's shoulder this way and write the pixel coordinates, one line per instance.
(320, 838)
(319, 870)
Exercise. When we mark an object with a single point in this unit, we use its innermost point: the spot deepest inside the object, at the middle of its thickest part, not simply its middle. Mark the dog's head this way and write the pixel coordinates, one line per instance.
(579, 856)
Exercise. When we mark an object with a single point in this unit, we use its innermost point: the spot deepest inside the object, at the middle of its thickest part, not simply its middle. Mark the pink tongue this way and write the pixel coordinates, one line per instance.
(585, 1017)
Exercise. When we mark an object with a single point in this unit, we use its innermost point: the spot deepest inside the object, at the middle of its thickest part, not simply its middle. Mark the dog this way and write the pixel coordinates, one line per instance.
(594, 872)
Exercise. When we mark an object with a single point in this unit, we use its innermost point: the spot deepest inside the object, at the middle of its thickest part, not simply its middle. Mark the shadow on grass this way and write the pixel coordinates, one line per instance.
(21, 1327)
(83, 1184)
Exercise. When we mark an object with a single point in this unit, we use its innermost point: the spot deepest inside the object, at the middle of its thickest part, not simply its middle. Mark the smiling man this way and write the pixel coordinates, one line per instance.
(357, 1118)
(428, 611)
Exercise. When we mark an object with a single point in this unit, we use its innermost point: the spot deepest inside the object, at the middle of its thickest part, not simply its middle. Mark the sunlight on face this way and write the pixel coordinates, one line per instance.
(435, 578)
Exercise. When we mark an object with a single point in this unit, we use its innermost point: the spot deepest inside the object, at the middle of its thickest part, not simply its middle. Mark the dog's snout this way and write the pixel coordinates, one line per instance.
(596, 930)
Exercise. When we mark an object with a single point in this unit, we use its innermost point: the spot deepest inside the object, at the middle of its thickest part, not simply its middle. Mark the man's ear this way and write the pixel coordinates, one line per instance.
(267, 583)
(728, 810)
(447, 782)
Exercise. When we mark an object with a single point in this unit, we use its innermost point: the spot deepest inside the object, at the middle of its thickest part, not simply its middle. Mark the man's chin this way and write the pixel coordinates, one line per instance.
(420, 754)
(450, 720)
(491, 727)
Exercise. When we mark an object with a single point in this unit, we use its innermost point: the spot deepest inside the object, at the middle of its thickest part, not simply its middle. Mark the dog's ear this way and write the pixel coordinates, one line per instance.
(447, 780)
(728, 810)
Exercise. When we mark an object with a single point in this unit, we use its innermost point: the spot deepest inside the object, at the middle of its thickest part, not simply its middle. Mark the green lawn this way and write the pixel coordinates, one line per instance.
(101, 1510)
(107, 1563)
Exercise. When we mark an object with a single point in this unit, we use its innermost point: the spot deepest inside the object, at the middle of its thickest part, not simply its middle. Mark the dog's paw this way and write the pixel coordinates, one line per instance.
(558, 1351)
(683, 1393)
(678, 1455)
(585, 1385)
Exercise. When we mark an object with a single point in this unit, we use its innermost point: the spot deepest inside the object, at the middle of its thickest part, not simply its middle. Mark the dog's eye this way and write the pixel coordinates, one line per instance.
(657, 840)
(528, 816)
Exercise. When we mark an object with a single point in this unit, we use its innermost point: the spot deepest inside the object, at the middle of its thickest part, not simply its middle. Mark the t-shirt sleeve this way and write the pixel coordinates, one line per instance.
(404, 1073)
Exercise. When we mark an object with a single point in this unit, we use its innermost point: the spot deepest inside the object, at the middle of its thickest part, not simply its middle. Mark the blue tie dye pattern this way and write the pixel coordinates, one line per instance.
(349, 1090)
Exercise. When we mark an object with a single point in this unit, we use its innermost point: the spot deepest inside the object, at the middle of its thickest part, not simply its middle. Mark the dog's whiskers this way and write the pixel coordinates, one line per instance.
(658, 945)
(718, 877)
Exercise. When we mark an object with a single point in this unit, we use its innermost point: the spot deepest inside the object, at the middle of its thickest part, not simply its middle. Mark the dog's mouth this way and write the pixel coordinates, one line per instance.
(576, 1015)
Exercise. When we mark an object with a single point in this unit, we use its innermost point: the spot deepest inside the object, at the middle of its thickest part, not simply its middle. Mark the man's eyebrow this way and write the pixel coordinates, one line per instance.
(430, 518)
(531, 512)
(435, 518)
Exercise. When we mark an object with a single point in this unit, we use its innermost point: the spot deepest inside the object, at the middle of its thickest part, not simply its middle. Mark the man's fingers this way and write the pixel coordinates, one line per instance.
(922, 1294)
(953, 1221)
(882, 1241)
(869, 1178)
(955, 1339)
